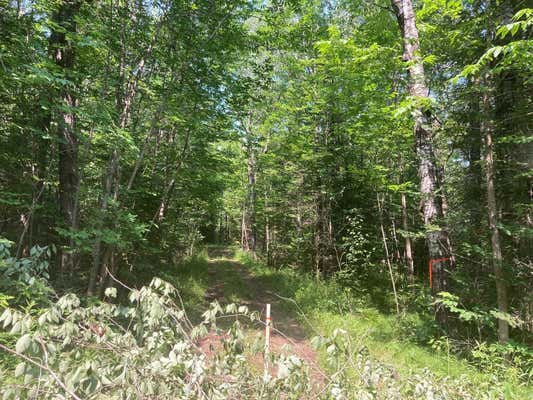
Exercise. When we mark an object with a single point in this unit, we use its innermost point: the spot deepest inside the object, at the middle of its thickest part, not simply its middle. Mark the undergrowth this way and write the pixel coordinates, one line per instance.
(409, 342)
(143, 344)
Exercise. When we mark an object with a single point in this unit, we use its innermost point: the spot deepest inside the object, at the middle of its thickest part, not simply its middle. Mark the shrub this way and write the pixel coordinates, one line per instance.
(146, 349)
(149, 349)
(505, 360)
(24, 281)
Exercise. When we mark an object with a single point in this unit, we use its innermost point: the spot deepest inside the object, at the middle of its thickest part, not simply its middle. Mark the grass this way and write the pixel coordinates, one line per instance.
(396, 341)
(225, 273)
(321, 306)
(191, 279)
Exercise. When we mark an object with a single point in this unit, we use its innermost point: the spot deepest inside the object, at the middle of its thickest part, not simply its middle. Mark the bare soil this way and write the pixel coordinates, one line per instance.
(286, 332)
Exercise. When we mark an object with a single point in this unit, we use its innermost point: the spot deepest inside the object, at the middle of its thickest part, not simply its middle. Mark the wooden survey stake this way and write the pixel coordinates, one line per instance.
(267, 338)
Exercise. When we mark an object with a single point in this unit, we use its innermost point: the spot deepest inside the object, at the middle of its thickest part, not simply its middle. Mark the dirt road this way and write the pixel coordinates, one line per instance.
(231, 282)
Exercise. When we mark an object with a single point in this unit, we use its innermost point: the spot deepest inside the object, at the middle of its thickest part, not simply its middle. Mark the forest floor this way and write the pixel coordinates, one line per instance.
(303, 308)
(229, 281)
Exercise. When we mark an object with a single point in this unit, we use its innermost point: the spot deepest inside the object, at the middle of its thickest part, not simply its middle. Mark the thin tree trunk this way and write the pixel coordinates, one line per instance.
(228, 229)
(397, 255)
(251, 201)
(167, 194)
(26, 219)
(104, 203)
(244, 230)
(64, 56)
(267, 239)
(431, 204)
(385, 246)
(487, 128)
(408, 249)
(149, 135)
(405, 227)
(267, 226)
(319, 212)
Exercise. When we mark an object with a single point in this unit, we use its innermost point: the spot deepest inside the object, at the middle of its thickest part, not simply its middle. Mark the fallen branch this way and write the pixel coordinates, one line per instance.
(45, 367)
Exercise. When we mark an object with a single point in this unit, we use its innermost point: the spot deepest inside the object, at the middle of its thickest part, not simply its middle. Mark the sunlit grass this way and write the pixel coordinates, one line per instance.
(323, 306)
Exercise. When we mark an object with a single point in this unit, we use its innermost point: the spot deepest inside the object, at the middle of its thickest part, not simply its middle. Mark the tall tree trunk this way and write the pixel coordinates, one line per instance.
(251, 201)
(267, 239)
(405, 227)
(431, 204)
(64, 56)
(267, 246)
(397, 255)
(387, 254)
(408, 248)
(244, 229)
(487, 128)
(104, 203)
(319, 210)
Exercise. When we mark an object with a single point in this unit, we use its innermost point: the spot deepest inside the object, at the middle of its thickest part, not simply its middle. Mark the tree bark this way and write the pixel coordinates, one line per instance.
(387, 255)
(487, 128)
(408, 248)
(267, 247)
(405, 227)
(251, 201)
(431, 204)
(64, 56)
(244, 230)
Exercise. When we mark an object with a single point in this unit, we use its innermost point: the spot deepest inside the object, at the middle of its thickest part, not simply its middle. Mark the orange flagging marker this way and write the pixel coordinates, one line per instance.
(436, 260)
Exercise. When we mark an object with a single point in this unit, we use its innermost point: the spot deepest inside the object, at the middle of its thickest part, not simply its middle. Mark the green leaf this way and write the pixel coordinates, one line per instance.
(8, 394)
(20, 369)
(111, 292)
(7, 317)
(23, 343)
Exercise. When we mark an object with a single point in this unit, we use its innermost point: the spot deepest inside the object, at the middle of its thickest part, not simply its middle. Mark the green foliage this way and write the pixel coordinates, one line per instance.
(516, 358)
(24, 281)
(325, 296)
(176, 106)
(149, 345)
(402, 345)
(522, 20)
(512, 54)
(476, 315)
(359, 249)
(113, 349)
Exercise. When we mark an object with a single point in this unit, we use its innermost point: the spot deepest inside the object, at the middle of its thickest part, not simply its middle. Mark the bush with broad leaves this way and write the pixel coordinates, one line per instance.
(148, 349)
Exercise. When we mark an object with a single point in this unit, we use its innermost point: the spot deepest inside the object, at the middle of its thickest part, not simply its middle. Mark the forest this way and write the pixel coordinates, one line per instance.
(169, 167)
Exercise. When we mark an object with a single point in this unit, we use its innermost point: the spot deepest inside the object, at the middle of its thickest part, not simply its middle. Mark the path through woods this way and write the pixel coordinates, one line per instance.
(230, 281)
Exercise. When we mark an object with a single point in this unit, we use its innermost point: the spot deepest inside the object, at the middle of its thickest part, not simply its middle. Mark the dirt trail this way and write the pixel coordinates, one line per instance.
(246, 289)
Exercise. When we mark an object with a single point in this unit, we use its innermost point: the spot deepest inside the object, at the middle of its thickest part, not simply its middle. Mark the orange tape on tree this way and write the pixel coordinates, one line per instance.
(431, 268)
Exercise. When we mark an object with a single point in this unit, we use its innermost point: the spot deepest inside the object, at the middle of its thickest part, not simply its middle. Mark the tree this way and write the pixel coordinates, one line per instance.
(431, 202)
(62, 46)
(487, 129)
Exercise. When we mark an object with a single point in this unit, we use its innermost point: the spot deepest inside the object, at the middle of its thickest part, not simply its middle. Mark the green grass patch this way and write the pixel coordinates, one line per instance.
(229, 279)
(191, 279)
(399, 341)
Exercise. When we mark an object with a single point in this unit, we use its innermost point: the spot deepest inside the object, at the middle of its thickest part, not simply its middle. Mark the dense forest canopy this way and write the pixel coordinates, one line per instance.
(385, 146)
